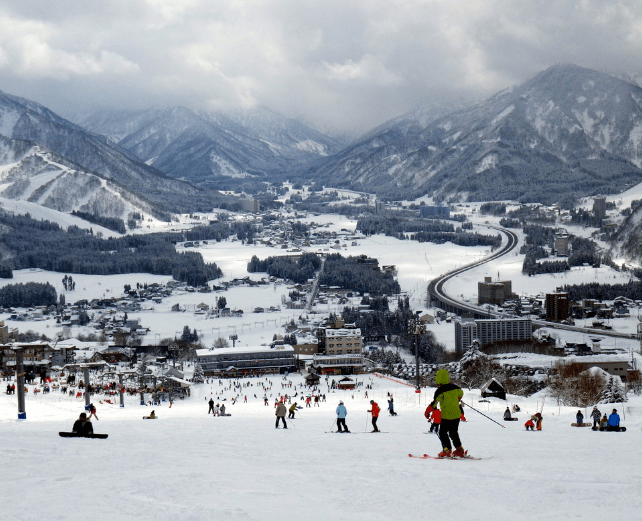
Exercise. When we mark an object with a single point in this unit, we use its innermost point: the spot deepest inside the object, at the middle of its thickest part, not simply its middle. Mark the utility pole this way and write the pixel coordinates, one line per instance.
(20, 384)
(416, 328)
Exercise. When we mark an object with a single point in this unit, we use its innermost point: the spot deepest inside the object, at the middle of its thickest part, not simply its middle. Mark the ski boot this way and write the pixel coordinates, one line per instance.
(446, 453)
(460, 452)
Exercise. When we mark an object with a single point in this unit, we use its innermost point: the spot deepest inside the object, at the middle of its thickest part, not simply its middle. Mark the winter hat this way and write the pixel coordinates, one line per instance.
(371, 401)
(340, 402)
(442, 377)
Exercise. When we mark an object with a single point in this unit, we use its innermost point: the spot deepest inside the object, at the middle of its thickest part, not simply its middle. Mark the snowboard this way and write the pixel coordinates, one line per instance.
(148, 418)
(511, 420)
(581, 424)
(622, 429)
(77, 435)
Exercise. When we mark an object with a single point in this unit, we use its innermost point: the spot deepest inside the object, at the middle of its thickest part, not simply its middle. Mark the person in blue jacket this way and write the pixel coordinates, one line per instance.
(614, 421)
(342, 412)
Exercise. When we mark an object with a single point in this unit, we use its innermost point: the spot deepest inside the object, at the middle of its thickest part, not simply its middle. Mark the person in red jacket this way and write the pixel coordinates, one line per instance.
(435, 418)
(375, 414)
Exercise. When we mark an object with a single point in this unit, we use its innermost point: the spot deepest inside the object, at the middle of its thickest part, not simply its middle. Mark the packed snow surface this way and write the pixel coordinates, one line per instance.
(189, 465)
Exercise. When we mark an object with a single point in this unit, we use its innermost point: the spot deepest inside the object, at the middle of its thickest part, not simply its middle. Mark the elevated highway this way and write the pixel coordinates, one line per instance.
(451, 304)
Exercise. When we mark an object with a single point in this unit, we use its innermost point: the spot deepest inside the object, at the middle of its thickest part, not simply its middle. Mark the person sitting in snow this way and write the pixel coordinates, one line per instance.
(579, 418)
(614, 421)
(507, 415)
(83, 426)
(604, 422)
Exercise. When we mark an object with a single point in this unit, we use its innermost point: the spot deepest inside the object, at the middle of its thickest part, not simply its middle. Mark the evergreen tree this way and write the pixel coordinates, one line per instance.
(199, 375)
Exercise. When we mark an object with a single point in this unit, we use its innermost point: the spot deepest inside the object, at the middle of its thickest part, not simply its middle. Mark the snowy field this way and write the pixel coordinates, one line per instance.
(190, 466)
(417, 263)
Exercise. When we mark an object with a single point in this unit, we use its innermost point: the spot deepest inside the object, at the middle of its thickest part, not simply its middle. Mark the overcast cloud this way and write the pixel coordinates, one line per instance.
(345, 64)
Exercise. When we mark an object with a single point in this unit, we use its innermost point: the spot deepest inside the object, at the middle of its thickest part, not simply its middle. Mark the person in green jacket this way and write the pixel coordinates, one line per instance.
(448, 396)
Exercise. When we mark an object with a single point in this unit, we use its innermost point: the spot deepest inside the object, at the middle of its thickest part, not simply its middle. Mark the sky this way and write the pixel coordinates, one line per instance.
(344, 65)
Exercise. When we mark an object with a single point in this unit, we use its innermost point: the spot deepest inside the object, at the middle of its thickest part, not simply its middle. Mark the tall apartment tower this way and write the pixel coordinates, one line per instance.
(599, 207)
(557, 306)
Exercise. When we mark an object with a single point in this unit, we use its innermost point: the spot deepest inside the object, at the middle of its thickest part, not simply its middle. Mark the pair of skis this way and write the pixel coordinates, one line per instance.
(426, 456)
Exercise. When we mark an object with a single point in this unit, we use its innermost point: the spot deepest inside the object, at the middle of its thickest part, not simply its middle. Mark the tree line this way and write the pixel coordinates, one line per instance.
(45, 245)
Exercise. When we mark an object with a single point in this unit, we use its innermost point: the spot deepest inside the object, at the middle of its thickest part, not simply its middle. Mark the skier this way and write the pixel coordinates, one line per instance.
(507, 415)
(211, 409)
(448, 397)
(280, 414)
(391, 407)
(92, 412)
(292, 410)
(596, 415)
(375, 414)
(579, 418)
(614, 421)
(342, 412)
(434, 417)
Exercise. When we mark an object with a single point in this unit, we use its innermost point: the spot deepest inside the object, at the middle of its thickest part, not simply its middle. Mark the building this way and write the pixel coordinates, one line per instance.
(561, 244)
(338, 364)
(236, 361)
(343, 341)
(249, 204)
(557, 306)
(434, 212)
(380, 206)
(339, 340)
(490, 330)
(465, 333)
(489, 292)
(599, 207)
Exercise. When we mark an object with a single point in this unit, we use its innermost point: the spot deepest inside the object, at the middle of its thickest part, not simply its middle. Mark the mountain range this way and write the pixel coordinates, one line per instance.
(206, 147)
(46, 159)
(566, 133)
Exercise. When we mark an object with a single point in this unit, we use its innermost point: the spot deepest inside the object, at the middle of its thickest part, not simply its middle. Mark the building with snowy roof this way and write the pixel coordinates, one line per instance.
(232, 361)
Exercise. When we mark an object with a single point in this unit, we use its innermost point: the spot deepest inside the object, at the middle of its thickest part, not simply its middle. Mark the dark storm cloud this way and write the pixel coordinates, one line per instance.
(346, 64)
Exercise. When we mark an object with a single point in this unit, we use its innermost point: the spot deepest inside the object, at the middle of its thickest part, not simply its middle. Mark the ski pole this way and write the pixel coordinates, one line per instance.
(331, 426)
(366, 427)
(483, 415)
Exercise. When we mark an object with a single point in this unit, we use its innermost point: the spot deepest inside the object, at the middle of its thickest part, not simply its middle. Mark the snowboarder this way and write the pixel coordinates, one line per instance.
(614, 421)
(280, 414)
(92, 411)
(529, 425)
(596, 415)
(516, 408)
(152, 416)
(374, 410)
(507, 415)
(211, 409)
(342, 412)
(223, 410)
(579, 418)
(448, 396)
(604, 422)
(391, 407)
(83, 426)
(292, 410)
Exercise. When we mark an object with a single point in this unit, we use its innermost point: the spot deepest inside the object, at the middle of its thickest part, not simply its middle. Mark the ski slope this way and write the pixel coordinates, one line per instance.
(190, 466)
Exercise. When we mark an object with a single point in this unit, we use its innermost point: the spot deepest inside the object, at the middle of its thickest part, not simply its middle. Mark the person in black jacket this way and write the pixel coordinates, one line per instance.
(83, 426)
